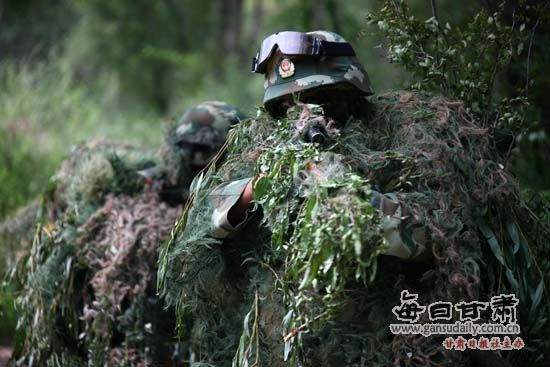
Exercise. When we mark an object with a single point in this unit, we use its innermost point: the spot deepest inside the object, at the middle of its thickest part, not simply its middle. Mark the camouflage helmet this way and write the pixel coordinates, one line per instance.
(193, 141)
(207, 124)
(290, 74)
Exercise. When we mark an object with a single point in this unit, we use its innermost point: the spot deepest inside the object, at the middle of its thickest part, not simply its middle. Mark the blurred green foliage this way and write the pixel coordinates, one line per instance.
(42, 112)
(7, 313)
(77, 70)
(20, 171)
(91, 68)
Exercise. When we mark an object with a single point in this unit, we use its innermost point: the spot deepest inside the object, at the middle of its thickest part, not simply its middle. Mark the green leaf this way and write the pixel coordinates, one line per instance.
(288, 349)
(536, 297)
(514, 236)
(306, 279)
(358, 246)
(287, 319)
(513, 281)
(492, 241)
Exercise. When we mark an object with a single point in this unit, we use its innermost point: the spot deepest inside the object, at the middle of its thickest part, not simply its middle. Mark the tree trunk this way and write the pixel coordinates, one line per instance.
(179, 14)
(230, 17)
(230, 25)
(1, 12)
(256, 25)
(334, 14)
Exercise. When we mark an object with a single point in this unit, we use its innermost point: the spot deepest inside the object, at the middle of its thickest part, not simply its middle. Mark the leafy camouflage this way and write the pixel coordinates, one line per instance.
(89, 280)
(305, 276)
(391, 211)
(344, 72)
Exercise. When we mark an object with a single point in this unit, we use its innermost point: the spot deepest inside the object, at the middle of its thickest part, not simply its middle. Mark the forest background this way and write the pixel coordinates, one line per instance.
(77, 70)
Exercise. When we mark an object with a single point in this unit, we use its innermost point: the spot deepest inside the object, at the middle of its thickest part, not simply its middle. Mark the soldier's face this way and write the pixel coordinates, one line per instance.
(197, 155)
(335, 102)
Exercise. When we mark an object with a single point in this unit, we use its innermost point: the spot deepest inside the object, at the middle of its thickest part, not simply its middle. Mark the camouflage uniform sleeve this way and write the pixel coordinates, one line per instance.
(402, 243)
(224, 197)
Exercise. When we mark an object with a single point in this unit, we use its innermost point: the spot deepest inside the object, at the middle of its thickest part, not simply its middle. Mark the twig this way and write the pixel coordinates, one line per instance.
(296, 330)
(434, 8)
(257, 362)
(509, 152)
(273, 271)
(529, 56)
(255, 334)
(395, 7)
(442, 76)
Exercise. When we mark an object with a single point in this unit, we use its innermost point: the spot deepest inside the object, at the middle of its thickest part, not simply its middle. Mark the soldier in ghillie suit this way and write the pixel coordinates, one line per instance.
(89, 284)
(328, 205)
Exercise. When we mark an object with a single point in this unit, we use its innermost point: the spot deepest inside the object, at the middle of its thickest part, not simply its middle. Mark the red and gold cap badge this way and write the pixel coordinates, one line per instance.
(286, 68)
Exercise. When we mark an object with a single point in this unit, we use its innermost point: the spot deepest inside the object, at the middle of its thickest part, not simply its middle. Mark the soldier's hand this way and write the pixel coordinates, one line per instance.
(237, 214)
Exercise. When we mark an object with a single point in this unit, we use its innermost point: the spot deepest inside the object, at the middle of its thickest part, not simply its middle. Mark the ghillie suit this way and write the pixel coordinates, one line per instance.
(89, 296)
(305, 274)
(16, 233)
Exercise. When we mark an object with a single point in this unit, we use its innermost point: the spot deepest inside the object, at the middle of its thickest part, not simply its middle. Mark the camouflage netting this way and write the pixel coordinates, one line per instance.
(305, 276)
(89, 296)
